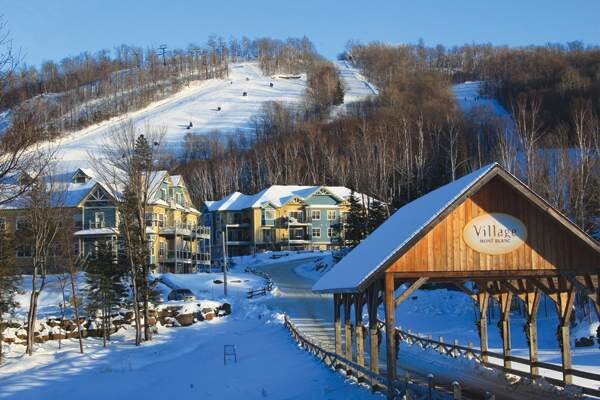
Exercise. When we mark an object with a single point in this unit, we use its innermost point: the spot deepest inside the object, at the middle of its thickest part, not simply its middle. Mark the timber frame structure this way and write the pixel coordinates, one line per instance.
(555, 259)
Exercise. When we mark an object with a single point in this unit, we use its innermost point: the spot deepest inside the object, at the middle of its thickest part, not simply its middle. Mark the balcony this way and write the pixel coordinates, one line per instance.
(293, 221)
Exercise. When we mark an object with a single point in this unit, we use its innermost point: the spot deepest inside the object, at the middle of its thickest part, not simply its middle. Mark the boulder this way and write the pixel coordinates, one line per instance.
(185, 319)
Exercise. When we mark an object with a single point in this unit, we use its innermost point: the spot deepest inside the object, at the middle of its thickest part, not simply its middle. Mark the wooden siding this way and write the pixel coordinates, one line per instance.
(549, 244)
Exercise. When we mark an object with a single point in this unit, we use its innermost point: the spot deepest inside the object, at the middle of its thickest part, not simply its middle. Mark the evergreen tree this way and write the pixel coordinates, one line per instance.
(377, 214)
(106, 287)
(355, 230)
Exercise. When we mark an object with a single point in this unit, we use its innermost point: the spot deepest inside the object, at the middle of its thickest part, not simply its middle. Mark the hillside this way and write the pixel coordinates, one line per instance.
(199, 104)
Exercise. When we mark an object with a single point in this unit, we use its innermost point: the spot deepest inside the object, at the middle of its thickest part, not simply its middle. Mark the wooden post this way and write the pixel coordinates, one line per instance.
(360, 343)
(566, 297)
(532, 303)
(337, 322)
(373, 303)
(483, 301)
(348, 326)
(505, 302)
(390, 320)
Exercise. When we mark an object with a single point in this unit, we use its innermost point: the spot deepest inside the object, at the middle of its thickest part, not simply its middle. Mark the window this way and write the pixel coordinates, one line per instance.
(316, 232)
(161, 220)
(163, 194)
(22, 223)
(315, 215)
(162, 249)
(23, 251)
(269, 215)
(99, 219)
(332, 232)
(179, 198)
(298, 234)
(331, 215)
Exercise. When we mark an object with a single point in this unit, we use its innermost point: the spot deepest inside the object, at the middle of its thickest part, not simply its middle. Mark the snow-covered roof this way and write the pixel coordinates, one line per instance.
(395, 233)
(277, 196)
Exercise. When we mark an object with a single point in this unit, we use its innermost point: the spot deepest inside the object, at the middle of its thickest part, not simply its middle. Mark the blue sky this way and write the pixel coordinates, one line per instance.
(52, 29)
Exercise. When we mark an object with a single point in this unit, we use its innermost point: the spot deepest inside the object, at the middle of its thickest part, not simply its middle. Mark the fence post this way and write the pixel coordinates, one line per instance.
(441, 340)
(455, 352)
(456, 391)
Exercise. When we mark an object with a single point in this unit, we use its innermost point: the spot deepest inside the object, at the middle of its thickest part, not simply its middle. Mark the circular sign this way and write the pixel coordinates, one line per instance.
(495, 233)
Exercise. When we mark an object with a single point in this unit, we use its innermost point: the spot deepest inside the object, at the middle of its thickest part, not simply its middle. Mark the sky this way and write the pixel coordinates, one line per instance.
(52, 29)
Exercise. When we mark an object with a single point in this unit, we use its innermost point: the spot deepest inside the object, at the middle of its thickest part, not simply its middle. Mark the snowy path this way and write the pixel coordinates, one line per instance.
(312, 313)
(183, 363)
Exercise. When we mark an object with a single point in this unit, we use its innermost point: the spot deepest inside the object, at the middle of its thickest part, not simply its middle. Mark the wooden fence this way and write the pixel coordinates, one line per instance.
(454, 349)
(263, 290)
(413, 387)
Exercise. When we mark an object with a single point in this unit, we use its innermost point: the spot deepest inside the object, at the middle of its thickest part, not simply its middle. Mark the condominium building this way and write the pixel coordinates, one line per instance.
(177, 241)
(279, 217)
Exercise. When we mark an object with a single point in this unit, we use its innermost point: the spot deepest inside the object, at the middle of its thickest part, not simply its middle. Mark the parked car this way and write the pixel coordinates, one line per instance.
(182, 294)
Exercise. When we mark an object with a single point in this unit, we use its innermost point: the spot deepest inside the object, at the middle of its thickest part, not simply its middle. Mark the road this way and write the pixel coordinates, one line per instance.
(313, 313)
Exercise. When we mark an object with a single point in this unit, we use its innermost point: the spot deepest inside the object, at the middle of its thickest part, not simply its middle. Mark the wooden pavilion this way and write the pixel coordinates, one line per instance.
(488, 234)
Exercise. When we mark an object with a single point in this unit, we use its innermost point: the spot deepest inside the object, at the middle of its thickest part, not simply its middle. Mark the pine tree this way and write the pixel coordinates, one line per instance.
(106, 277)
(355, 231)
(377, 214)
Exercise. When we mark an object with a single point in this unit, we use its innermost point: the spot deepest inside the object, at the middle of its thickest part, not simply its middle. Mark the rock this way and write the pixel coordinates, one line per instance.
(56, 336)
(584, 342)
(226, 307)
(185, 319)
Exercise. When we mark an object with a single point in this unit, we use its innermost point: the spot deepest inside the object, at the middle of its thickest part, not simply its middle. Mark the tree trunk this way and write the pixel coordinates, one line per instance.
(76, 307)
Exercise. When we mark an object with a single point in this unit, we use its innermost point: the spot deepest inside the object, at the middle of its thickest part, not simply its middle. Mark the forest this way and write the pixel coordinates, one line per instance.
(414, 137)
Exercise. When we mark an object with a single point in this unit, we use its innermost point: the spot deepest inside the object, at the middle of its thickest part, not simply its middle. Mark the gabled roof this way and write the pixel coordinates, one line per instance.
(276, 195)
(407, 225)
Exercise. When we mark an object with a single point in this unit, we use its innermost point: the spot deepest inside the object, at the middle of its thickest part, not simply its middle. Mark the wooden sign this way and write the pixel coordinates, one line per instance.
(495, 233)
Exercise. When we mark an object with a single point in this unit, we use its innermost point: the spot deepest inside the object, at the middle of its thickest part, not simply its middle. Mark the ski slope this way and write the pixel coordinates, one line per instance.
(199, 104)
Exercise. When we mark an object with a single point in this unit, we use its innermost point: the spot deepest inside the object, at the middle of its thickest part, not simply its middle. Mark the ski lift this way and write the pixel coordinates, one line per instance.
(271, 84)
(219, 108)
(245, 94)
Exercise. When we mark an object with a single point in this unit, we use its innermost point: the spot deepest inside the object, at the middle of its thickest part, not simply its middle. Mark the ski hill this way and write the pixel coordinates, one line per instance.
(199, 105)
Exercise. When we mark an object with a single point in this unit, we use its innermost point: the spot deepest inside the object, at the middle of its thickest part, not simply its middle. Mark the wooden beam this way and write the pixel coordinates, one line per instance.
(411, 289)
(390, 318)
(532, 304)
(566, 298)
(348, 328)
(505, 303)
(337, 300)
(373, 304)
(483, 301)
(359, 328)
(469, 292)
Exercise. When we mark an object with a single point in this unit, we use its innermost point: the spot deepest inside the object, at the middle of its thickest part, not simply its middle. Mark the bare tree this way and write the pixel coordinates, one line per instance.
(72, 262)
(127, 166)
(39, 234)
(527, 115)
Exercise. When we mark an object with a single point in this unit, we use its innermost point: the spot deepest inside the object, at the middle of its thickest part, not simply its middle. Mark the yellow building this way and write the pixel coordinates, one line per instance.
(177, 241)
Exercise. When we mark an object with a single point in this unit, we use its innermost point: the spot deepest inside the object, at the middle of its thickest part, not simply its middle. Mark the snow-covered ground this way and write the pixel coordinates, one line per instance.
(184, 363)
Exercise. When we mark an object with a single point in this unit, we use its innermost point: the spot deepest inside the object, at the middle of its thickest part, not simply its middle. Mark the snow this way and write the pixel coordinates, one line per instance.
(394, 234)
(185, 362)
(469, 97)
